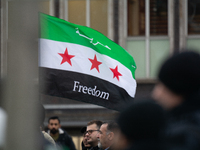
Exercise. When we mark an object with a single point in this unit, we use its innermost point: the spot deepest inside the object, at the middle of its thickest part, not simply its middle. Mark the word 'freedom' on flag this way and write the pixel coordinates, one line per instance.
(80, 63)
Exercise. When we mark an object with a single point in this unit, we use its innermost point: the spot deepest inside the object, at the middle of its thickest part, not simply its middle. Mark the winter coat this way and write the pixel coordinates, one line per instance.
(183, 125)
(64, 140)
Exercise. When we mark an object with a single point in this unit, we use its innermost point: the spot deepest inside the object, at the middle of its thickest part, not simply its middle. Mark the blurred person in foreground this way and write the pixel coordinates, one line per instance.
(84, 143)
(141, 126)
(92, 132)
(62, 139)
(47, 141)
(178, 91)
(107, 135)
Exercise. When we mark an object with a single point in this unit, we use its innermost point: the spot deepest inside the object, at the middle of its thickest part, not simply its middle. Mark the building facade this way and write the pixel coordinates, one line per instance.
(150, 30)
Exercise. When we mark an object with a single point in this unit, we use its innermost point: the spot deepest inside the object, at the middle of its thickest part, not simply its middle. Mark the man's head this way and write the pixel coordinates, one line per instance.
(107, 134)
(92, 132)
(54, 124)
(85, 143)
(141, 121)
(178, 79)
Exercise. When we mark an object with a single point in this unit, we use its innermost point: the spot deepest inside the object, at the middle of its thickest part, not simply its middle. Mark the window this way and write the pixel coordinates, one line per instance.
(77, 11)
(158, 17)
(147, 30)
(136, 17)
(92, 13)
(193, 17)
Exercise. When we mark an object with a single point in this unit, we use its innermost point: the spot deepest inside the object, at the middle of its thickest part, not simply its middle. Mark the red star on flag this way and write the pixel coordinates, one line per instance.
(116, 73)
(95, 63)
(66, 57)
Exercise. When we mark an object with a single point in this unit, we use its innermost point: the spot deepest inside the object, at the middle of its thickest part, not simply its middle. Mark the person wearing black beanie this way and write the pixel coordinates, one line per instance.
(179, 79)
(142, 124)
(178, 91)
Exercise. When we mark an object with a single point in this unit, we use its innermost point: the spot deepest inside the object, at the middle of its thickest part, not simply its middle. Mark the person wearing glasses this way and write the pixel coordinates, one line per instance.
(84, 143)
(107, 135)
(92, 132)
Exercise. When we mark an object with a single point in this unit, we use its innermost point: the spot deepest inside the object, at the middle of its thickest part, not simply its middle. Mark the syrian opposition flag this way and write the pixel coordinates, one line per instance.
(80, 63)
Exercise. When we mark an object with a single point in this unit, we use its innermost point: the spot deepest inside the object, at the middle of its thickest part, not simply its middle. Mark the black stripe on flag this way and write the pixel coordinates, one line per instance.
(81, 87)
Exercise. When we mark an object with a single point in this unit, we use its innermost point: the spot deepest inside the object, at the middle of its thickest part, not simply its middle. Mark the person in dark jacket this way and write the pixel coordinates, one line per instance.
(62, 139)
(141, 126)
(178, 91)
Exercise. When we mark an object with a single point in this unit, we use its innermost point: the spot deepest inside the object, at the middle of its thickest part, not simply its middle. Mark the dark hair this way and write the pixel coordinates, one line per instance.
(83, 129)
(97, 122)
(180, 73)
(142, 120)
(53, 118)
(112, 126)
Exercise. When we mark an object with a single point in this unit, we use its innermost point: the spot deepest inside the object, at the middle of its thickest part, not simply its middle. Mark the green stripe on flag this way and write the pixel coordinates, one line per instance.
(56, 29)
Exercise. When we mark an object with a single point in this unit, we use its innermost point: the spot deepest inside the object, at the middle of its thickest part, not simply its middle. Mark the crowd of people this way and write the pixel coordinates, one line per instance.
(168, 120)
